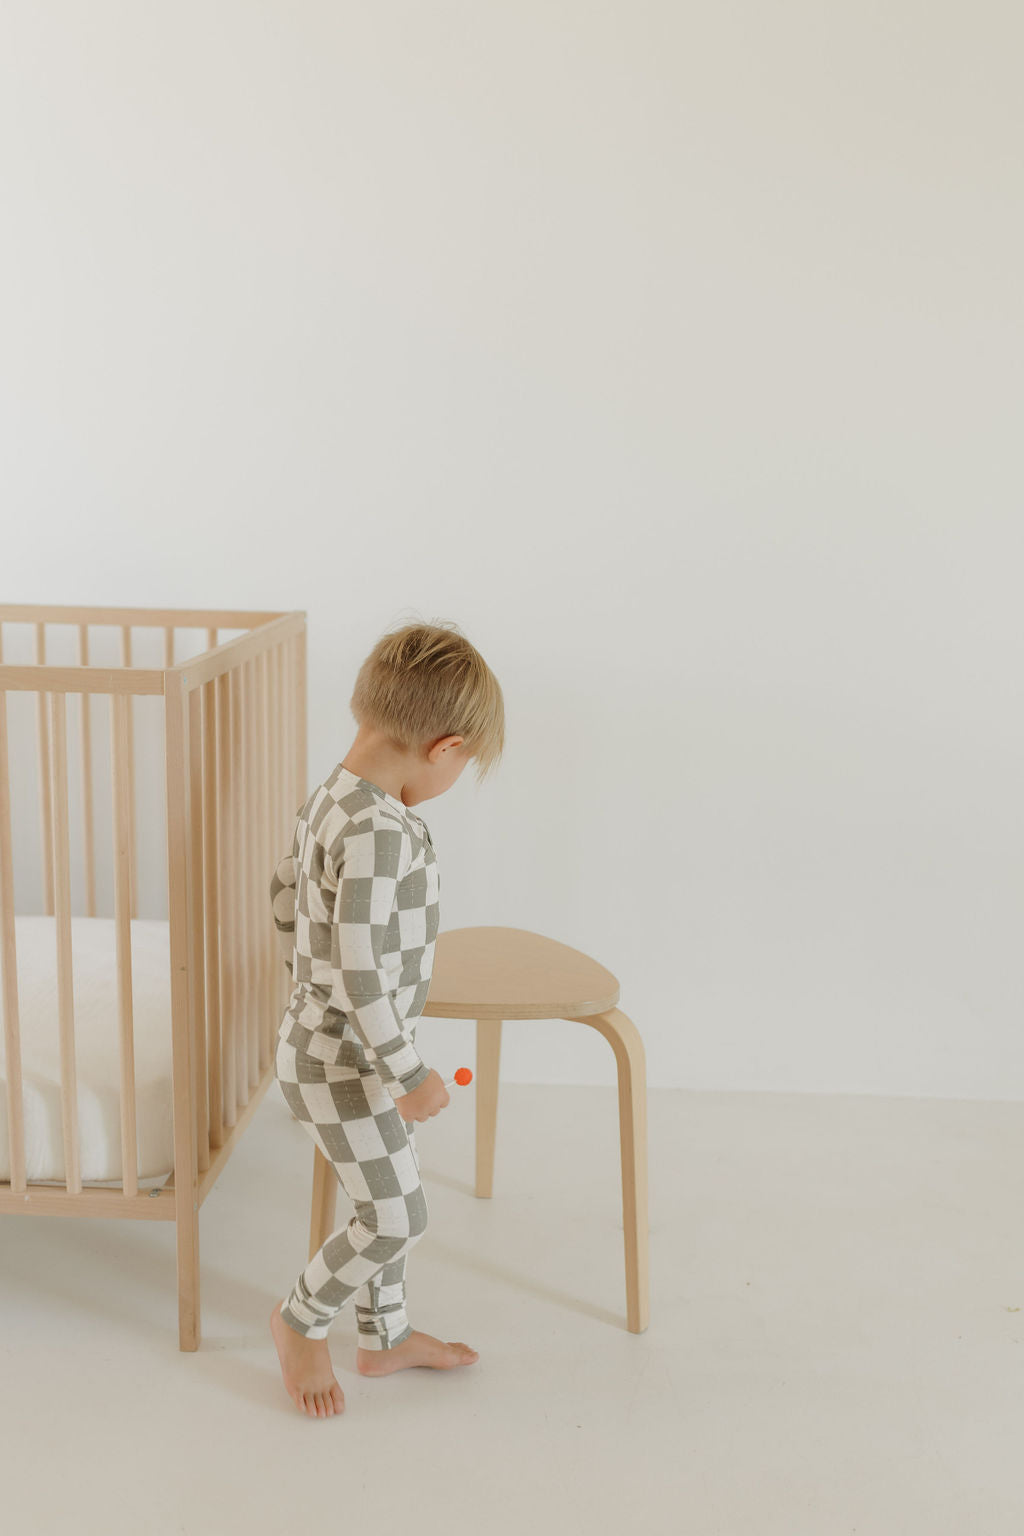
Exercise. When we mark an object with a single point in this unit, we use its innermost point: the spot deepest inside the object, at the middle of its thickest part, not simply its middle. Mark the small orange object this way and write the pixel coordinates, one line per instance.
(463, 1076)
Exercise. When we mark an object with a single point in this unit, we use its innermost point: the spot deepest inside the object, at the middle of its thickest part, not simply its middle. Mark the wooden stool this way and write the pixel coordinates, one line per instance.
(492, 974)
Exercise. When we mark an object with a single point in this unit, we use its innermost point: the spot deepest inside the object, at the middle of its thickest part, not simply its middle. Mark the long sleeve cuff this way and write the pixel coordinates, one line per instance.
(399, 1086)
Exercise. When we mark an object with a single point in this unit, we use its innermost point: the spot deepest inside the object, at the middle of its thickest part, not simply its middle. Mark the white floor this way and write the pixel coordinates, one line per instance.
(836, 1340)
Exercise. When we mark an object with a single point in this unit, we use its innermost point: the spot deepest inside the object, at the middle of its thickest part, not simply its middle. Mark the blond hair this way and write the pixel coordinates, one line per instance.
(424, 681)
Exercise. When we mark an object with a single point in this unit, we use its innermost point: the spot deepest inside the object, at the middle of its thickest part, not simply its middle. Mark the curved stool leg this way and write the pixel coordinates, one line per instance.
(631, 1063)
(488, 1055)
(325, 1195)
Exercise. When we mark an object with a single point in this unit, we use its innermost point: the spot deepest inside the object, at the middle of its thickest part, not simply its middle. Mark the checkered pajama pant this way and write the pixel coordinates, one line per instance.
(352, 1118)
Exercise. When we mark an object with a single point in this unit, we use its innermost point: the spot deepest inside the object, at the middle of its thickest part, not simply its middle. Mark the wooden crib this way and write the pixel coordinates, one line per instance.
(233, 736)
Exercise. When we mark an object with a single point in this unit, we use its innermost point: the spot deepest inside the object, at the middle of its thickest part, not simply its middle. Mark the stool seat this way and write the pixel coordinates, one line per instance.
(511, 973)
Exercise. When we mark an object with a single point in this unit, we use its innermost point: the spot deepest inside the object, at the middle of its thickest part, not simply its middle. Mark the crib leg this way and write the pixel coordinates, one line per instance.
(187, 1225)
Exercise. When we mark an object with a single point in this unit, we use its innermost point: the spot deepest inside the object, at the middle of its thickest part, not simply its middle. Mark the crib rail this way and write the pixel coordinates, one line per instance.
(235, 755)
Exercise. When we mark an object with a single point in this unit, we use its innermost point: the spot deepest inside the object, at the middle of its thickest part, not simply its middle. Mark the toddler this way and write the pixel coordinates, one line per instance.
(355, 904)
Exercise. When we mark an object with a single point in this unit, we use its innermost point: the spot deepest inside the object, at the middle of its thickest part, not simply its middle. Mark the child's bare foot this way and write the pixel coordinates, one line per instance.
(306, 1367)
(417, 1349)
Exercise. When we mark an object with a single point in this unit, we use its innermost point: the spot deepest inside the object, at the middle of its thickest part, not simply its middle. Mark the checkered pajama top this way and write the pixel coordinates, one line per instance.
(355, 905)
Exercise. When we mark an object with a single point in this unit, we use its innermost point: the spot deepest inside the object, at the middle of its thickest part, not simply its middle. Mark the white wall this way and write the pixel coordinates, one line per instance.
(674, 353)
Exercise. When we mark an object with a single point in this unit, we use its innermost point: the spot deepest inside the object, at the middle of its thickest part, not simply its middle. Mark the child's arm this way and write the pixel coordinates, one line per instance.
(367, 863)
(282, 900)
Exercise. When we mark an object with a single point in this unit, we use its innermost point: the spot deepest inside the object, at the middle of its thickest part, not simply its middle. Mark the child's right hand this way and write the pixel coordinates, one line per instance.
(425, 1101)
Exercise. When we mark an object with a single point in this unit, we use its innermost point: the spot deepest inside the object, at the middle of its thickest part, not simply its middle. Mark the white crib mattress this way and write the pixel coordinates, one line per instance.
(97, 1051)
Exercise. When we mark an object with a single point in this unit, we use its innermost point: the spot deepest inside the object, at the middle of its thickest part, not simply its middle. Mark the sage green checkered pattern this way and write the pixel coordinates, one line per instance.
(355, 904)
(353, 1120)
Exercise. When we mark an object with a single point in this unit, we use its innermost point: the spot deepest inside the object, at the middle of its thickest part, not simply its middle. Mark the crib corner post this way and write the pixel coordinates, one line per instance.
(189, 1329)
(180, 853)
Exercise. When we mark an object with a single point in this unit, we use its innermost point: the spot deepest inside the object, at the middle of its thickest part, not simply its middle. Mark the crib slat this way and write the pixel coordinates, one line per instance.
(275, 839)
(263, 877)
(196, 792)
(240, 777)
(277, 845)
(287, 785)
(293, 731)
(65, 997)
(245, 852)
(226, 881)
(287, 813)
(285, 820)
(265, 922)
(291, 784)
(300, 718)
(253, 823)
(244, 845)
(168, 645)
(88, 840)
(126, 659)
(255, 865)
(211, 905)
(287, 702)
(45, 782)
(179, 853)
(12, 1032)
(120, 750)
